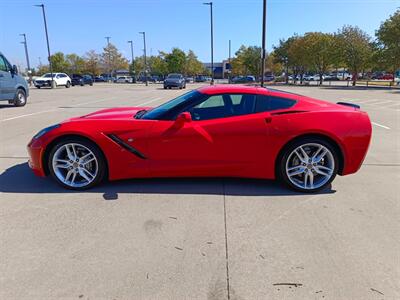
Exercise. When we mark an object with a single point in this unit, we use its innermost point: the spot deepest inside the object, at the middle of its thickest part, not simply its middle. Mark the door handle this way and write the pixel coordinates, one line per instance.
(268, 120)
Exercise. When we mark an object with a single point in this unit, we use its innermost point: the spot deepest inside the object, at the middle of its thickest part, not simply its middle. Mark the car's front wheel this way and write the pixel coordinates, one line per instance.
(308, 165)
(76, 164)
(20, 98)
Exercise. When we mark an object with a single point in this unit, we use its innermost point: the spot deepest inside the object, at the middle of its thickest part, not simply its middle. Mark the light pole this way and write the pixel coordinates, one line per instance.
(263, 54)
(109, 57)
(230, 65)
(27, 58)
(48, 45)
(212, 41)
(145, 59)
(132, 62)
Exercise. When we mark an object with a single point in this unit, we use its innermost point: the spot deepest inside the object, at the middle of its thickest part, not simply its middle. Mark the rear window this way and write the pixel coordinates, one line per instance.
(268, 103)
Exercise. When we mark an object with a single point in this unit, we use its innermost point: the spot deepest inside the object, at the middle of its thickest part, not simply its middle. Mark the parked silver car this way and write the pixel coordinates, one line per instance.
(13, 87)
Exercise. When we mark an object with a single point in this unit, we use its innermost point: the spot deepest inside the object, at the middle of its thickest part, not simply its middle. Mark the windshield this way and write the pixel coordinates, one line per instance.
(48, 75)
(168, 110)
(174, 76)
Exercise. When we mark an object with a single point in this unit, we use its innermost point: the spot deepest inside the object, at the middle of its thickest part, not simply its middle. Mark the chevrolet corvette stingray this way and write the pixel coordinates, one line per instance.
(216, 131)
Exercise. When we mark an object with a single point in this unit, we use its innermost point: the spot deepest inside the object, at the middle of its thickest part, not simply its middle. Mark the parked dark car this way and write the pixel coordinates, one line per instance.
(174, 80)
(243, 79)
(200, 78)
(81, 80)
(99, 79)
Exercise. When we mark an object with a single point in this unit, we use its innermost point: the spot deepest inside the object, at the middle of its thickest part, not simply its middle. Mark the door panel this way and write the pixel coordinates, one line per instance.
(232, 146)
(7, 81)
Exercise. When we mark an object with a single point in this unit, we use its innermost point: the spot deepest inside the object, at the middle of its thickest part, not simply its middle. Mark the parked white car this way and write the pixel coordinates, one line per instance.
(58, 78)
(124, 79)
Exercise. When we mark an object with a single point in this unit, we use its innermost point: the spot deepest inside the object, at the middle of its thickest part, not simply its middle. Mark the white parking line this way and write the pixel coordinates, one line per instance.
(380, 125)
(27, 115)
(81, 104)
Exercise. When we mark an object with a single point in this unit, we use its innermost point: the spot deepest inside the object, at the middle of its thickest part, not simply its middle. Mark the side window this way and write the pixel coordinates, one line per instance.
(3, 66)
(268, 103)
(222, 106)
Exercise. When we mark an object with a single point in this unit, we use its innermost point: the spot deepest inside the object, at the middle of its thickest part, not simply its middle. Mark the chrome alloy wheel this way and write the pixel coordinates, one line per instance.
(75, 165)
(310, 166)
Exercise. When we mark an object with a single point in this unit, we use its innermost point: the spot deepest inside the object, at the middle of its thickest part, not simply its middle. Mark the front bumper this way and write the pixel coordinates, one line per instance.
(173, 84)
(36, 151)
(42, 83)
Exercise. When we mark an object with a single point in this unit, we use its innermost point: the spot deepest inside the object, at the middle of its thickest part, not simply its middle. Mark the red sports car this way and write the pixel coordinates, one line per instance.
(219, 131)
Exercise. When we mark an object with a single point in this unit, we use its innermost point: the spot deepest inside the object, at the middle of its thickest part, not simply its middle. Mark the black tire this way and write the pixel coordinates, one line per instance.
(20, 98)
(68, 85)
(38, 87)
(91, 84)
(82, 84)
(285, 155)
(102, 166)
(165, 87)
(72, 84)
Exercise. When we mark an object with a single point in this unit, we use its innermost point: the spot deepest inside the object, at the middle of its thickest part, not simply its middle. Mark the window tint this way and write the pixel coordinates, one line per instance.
(268, 103)
(222, 106)
(3, 66)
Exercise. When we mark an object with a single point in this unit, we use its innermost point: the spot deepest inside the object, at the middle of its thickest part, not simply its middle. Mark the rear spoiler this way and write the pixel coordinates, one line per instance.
(349, 104)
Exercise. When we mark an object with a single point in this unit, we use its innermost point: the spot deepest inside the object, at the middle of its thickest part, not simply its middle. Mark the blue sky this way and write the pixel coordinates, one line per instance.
(76, 26)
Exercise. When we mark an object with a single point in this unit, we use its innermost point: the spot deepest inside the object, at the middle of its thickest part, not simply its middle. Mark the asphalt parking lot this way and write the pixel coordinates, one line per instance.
(197, 238)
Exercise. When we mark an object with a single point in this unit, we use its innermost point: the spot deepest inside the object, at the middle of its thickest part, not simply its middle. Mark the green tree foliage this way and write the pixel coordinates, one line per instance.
(175, 60)
(92, 63)
(59, 62)
(356, 49)
(76, 64)
(388, 43)
(112, 59)
(192, 64)
(318, 51)
(247, 61)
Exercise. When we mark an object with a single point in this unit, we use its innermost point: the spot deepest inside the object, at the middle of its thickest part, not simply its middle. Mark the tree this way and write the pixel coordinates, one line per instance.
(298, 56)
(247, 61)
(319, 51)
(158, 65)
(192, 65)
(388, 42)
(58, 62)
(175, 60)
(113, 59)
(356, 49)
(92, 62)
(281, 54)
(76, 64)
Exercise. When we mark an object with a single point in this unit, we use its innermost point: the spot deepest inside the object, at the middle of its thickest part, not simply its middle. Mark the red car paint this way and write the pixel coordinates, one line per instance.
(237, 146)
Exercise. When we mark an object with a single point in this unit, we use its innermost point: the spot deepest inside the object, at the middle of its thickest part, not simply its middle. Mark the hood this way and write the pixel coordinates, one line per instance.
(118, 113)
(173, 79)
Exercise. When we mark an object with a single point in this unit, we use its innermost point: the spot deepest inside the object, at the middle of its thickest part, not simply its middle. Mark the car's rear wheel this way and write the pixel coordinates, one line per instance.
(309, 164)
(77, 164)
(20, 98)
(68, 84)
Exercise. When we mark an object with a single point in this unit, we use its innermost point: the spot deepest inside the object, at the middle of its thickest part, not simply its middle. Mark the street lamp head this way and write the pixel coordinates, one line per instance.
(207, 3)
(141, 32)
(130, 42)
(39, 5)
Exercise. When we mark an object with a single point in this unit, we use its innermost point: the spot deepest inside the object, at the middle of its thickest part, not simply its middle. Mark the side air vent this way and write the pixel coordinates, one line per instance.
(288, 112)
(126, 146)
(349, 104)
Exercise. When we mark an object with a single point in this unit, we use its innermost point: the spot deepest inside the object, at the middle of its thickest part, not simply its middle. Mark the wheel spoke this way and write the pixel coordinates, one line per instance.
(69, 173)
(322, 170)
(84, 173)
(73, 178)
(295, 171)
(70, 154)
(302, 155)
(88, 161)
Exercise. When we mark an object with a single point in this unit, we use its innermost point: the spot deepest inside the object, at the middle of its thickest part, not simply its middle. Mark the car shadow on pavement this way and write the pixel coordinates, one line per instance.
(20, 179)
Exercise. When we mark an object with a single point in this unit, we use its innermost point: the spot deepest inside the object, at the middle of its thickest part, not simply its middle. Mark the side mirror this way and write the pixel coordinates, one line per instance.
(14, 70)
(184, 117)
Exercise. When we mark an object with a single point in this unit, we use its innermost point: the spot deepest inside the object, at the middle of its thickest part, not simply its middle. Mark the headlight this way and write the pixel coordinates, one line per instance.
(45, 130)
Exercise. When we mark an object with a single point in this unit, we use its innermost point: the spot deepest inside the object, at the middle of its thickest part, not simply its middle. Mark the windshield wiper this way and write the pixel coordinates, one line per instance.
(140, 113)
